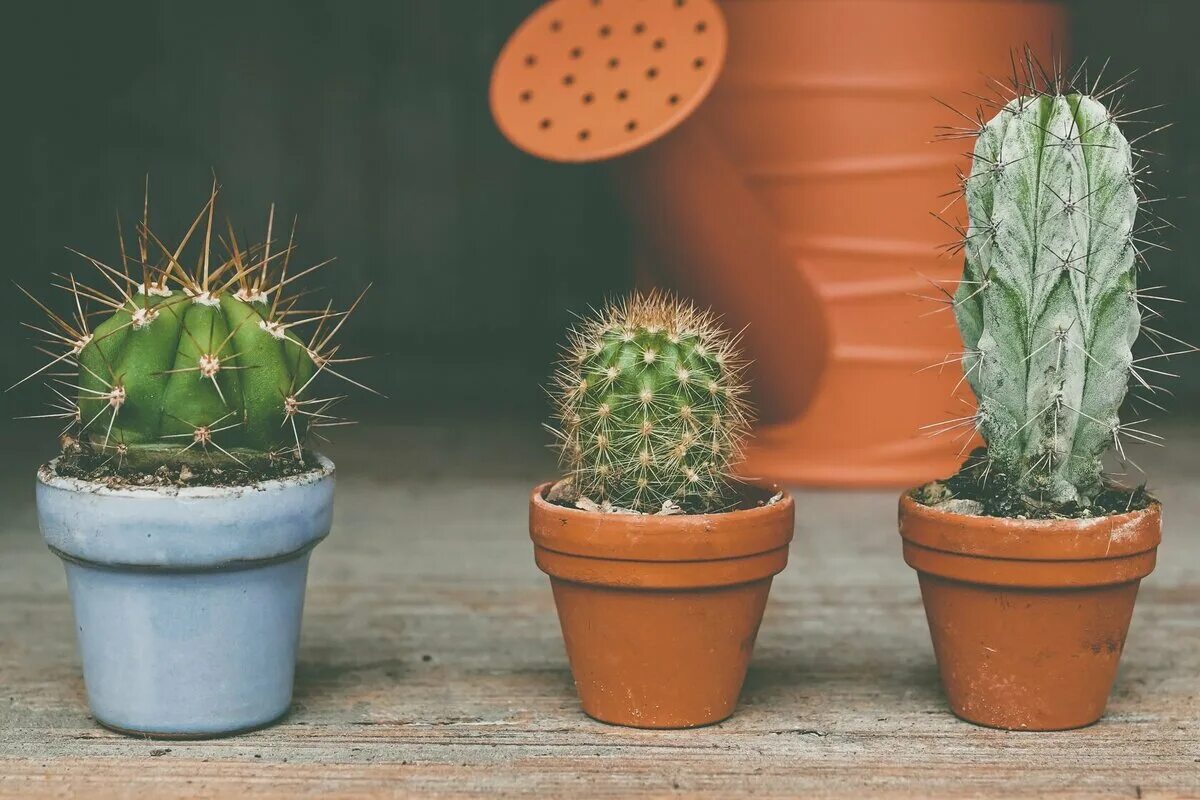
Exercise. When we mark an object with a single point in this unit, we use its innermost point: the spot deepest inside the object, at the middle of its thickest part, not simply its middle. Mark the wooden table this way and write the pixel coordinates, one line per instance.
(431, 663)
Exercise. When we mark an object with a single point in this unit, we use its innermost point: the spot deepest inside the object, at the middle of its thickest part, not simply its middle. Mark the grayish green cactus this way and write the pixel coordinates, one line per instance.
(1048, 307)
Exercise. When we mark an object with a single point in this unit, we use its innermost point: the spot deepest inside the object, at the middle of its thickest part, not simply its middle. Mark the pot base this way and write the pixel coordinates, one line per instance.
(188, 737)
(643, 726)
(980, 723)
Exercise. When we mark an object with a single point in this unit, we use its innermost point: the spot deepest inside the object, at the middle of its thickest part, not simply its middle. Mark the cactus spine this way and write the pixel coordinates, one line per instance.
(200, 366)
(1048, 307)
(650, 408)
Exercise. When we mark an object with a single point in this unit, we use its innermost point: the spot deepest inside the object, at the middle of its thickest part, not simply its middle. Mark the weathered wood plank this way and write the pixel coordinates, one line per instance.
(431, 664)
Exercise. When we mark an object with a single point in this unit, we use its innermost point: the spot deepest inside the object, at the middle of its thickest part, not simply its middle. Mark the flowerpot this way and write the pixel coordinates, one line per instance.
(187, 601)
(659, 613)
(1028, 617)
(820, 191)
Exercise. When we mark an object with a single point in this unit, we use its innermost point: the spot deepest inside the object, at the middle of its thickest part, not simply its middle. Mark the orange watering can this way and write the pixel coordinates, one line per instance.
(775, 156)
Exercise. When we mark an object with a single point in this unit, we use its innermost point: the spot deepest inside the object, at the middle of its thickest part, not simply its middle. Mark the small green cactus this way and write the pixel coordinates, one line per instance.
(1048, 307)
(193, 366)
(650, 407)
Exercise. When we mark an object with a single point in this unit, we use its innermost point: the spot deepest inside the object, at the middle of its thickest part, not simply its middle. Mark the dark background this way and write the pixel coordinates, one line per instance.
(369, 121)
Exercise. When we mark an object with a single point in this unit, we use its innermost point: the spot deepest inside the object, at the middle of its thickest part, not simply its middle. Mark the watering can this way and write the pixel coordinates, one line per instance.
(775, 157)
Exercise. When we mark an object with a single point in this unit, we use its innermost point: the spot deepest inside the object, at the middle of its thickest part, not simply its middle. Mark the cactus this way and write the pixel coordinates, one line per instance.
(650, 407)
(1048, 307)
(201, 366)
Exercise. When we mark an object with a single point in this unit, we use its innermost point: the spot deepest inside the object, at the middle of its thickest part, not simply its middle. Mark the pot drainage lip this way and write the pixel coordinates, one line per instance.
(229, 565)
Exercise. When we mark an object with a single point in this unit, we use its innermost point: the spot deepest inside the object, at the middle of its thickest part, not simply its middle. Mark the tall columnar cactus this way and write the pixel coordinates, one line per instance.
(1048, 307)
(650, 406)
(202, 365)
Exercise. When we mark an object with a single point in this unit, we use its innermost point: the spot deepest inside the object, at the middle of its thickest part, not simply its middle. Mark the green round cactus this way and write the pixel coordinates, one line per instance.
(181, 371)
(650, 407)
(200, 366)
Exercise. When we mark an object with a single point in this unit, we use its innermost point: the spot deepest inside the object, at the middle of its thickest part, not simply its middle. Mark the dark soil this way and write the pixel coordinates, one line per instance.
(1000, 499)
(83, 463)
(741, 497)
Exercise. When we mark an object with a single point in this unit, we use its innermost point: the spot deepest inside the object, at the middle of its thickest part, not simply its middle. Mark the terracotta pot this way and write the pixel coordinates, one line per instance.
(1028, 617)
(822, 119)
(659, 613)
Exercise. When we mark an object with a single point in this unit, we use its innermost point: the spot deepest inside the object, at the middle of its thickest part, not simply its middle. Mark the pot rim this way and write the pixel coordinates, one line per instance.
(665, 538)
(188, 529)
(1111, 536)
(47, 476)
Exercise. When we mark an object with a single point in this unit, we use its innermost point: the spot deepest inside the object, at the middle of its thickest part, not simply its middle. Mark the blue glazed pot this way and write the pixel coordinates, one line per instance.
(187, 600)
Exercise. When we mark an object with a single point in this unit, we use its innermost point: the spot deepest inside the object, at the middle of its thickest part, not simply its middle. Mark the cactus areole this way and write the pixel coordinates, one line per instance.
(1048, 306)
(650, 407)
(212, 365)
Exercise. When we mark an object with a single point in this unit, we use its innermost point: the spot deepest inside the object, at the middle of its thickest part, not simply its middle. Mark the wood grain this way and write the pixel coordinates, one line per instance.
(431, 664)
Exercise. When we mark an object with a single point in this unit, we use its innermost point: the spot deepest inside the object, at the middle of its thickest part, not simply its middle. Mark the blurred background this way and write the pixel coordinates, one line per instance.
(370, 122)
